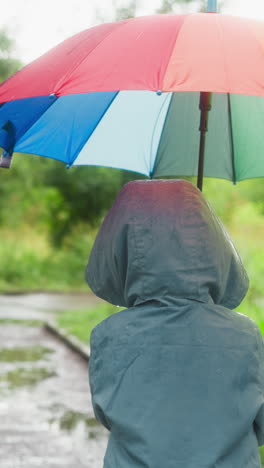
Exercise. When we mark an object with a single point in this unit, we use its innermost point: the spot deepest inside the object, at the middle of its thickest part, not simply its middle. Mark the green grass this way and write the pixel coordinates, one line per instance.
(23, 354)
(28, 261)
(24, 377)
(261, 452)
(81, 322)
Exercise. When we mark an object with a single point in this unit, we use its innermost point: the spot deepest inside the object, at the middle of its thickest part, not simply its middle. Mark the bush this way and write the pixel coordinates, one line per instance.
(29, 262)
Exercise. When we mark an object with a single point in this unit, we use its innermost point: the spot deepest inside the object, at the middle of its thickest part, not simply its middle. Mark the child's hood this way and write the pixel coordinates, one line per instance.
(161, 241)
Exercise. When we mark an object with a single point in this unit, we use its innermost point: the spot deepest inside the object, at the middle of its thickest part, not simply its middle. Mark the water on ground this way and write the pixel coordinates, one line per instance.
(45, 407)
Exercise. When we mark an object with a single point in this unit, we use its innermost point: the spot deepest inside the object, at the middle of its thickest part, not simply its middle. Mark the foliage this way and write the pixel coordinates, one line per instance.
(8, 64)
(168, 6)
(127, 11)
(29, 262)
(40, 192)
(85, 194)
(130, 8)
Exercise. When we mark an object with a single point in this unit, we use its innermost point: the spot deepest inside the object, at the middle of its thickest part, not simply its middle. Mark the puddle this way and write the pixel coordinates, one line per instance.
(24, 354)
(25, 377)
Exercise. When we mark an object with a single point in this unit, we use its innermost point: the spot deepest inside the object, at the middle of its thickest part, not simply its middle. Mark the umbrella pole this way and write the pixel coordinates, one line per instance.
(205, 107)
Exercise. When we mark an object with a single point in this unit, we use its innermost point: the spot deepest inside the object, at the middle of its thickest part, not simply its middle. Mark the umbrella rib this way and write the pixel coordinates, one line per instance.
(70, 162)
(32, 122)
(231, 138)
(152, 173)
(61, 83)
(169, 96)
(84, 143)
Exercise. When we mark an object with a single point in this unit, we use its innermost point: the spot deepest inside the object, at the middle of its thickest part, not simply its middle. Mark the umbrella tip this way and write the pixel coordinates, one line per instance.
(5, 159)
(159, 92)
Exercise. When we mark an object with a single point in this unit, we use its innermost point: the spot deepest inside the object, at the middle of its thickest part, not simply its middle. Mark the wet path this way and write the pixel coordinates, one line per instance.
(45, 408)
(42, 305)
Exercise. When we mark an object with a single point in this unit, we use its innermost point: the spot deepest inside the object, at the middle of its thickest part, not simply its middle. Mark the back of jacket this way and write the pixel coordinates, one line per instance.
(177, 377)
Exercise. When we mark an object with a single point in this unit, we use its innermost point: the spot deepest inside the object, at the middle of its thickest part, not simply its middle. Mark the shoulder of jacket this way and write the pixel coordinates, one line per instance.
(245, 321)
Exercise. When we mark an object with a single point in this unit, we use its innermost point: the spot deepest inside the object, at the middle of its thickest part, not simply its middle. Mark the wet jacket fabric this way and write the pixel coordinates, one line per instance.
(178, 376)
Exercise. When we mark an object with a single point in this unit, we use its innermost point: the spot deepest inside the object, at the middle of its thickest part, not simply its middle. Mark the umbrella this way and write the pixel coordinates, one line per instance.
(133, 95)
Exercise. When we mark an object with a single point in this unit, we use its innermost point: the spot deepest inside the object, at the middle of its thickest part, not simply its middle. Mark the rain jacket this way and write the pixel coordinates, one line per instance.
(178, 376)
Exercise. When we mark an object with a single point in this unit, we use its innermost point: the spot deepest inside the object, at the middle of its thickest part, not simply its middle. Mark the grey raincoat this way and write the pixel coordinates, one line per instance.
(178, 376)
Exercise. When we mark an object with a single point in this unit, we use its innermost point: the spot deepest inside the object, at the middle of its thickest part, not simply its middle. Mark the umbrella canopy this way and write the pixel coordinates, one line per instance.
(127, 95)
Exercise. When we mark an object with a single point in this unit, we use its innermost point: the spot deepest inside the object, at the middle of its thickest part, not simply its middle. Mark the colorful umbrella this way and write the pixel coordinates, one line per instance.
(129, 94)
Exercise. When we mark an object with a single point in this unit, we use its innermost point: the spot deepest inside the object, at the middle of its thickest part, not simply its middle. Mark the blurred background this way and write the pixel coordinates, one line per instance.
(49, 215)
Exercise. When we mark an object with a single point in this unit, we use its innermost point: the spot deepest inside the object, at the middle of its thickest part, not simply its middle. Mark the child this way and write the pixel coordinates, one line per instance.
(177, 377)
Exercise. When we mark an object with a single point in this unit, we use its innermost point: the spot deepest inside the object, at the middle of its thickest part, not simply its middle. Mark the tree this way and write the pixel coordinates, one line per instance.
(131, 7)
(8, 64)
(168, 6)
(125, 12)
(84, 194)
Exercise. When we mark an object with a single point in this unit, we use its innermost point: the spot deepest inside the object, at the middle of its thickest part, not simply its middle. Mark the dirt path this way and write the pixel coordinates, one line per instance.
(45, 408)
